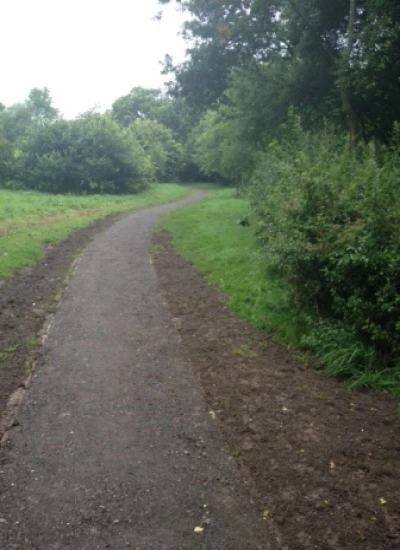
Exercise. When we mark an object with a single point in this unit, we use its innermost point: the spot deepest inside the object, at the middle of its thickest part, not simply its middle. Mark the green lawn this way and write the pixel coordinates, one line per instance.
(208, 233)
(29, 219)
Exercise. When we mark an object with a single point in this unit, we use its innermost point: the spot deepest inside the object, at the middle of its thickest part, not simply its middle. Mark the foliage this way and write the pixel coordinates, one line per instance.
(203, 78)
(235, 260)
(330, 222)
(227, 139)
(139, 104)
(218, 149)
(152, 104)
(21, 119)
(171, 121)
(339, 59)
(326, 207)
(164, 152)
(91, 154)
(144, 139)
(6, 159)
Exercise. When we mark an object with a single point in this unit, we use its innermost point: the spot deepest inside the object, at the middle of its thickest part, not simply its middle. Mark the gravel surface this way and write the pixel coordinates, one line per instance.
(322, 461)
(115, 447)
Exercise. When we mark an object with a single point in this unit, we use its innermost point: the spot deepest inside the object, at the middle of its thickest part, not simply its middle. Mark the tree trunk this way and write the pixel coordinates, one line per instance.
(352, 118)
(344, 63)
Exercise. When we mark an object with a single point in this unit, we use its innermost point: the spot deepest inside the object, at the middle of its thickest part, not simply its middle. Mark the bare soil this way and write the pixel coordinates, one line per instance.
(321, 461)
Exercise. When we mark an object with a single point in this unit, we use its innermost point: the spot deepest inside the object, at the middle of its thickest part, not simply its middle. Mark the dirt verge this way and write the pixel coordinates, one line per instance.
(322, 462)
(28, 299)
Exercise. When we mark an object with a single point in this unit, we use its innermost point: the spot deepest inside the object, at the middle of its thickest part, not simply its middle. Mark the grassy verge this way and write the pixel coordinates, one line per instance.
(29, 219)
(209, 235)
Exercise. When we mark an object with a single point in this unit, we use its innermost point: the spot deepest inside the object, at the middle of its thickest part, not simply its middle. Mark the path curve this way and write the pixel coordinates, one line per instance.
(115, 447)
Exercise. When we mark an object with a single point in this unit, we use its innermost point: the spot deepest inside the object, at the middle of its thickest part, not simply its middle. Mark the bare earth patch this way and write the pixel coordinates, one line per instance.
(322, 462)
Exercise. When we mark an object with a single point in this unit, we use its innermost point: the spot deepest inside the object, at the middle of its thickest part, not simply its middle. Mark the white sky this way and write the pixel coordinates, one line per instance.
(87, 52)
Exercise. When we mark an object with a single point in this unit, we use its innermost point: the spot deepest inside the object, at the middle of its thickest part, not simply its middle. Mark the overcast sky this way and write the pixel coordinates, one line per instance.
(87, 52)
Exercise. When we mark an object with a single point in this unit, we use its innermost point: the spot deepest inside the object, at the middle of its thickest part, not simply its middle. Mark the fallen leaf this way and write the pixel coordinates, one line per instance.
(212, 414)
(265, 514)
(302, 451)
(198, 529)
(285, 409)
(382, 501)
(332, 465)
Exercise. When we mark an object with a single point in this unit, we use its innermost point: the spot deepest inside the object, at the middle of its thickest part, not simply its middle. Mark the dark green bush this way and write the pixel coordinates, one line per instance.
(330, 222)
(91, 154)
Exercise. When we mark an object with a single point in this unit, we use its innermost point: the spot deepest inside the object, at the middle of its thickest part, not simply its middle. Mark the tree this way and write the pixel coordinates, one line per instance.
(219, 148)
(20, 119)
(344, 55)
(40, 106)
(16, 122)
(165, 153)
(139, 104)
(6, 159)
(151, 104)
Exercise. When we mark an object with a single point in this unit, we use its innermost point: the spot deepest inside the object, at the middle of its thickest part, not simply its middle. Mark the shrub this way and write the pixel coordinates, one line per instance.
(89, 155)
(330, 222)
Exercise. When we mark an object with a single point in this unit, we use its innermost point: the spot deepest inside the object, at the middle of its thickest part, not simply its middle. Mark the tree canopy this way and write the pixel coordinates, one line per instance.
(339, 60)
(139, 142)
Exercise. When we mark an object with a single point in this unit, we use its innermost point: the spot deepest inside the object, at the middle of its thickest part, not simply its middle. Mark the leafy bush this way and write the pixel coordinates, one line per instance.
(164, 152)
(330, 222)
(92, 154)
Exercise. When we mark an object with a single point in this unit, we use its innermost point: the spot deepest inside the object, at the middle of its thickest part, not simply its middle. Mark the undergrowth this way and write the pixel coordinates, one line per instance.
(208, 233)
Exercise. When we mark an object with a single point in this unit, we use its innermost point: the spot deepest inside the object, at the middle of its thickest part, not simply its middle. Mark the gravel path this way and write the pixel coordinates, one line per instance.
(115, 447)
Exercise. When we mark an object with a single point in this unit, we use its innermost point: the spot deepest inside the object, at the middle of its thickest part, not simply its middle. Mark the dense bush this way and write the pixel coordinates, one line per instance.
(6, 159)
(330, 222)
(92, 154)
(164, 152)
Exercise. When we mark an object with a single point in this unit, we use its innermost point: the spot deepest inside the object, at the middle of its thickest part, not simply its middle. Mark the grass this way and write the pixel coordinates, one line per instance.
(229, 254)
(346, 357)
(29, 219)
(207, 232)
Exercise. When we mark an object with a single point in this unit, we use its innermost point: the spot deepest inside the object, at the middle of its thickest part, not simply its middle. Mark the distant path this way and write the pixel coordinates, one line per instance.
(115, 447)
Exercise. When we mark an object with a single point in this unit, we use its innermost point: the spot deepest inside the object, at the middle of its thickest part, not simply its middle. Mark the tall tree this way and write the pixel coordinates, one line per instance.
(20, 119)
(337, 51)
(40, 105)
